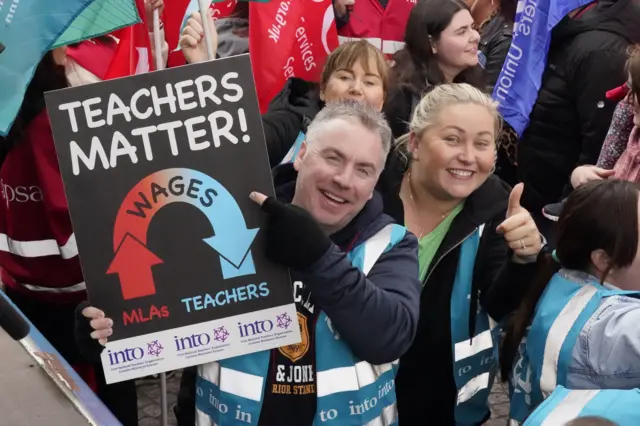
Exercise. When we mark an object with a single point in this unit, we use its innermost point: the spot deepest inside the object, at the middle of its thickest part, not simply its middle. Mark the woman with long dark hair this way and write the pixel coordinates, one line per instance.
(39, 265)
(577, 326)
(441, 46)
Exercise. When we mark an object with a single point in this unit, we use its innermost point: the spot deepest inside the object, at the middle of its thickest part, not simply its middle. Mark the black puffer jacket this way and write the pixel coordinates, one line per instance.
(425, 385)
(571, 116)
(289, 112)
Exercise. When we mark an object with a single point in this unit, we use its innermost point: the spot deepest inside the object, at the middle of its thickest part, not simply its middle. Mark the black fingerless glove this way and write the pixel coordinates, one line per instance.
(294, 237)
(88, 347)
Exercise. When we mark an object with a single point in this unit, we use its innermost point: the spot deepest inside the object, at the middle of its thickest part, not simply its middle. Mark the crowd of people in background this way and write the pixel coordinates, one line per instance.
(496, 255)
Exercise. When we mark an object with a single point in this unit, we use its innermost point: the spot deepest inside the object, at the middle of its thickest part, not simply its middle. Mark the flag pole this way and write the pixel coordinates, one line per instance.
(157, 41)
(164, 415)
(208, 37)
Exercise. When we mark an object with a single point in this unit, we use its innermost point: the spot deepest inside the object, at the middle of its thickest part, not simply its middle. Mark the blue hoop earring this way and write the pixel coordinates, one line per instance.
(555, 256)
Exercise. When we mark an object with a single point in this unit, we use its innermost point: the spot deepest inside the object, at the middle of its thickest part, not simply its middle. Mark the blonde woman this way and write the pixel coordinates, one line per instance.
(475, 245)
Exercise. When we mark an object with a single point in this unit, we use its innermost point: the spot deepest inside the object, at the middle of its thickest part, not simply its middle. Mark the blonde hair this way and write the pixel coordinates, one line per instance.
(426, 112)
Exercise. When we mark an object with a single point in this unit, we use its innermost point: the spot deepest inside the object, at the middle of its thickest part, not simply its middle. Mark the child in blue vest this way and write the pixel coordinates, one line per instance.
(611, 407)
(577, 327)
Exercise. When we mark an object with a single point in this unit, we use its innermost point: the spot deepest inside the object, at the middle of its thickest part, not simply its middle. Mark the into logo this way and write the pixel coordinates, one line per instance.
(191, 342)
(284, 320)
(256, 327)
(126, 355)
(220, 334)
(154, 348)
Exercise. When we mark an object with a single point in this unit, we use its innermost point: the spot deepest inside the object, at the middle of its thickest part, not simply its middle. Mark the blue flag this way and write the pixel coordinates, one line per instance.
(519, 81)
(30, 28)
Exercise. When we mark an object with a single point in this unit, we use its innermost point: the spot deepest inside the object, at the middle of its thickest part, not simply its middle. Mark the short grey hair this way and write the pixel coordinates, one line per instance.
(353, 111)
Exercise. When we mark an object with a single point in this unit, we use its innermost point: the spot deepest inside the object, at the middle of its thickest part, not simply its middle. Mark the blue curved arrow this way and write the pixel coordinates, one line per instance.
(232, 239)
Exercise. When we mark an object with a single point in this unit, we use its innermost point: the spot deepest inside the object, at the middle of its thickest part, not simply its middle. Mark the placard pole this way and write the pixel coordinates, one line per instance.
(157, 41)
(163, 399)
(208, 37)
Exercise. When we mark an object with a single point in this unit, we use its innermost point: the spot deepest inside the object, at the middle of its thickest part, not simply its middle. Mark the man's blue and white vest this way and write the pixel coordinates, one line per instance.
(350, 392)
(544, 357)
(475, 359)
(564, 405)
(294, 150)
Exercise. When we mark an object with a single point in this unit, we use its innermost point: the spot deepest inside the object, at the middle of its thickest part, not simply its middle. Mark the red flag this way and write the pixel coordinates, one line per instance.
(316, 38)
(289, 39)
(175, 12)
(222, 9)
(133, 55)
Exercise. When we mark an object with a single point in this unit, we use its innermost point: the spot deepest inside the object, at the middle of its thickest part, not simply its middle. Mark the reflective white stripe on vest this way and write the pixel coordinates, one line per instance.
(389, 415)
(472, 387)
(570, 407)
(231, 381)
(346, 379)
(39, 248)
(241, 384)
(471, 347)
(386, 46)
(374, 247)
(557, 335)
(203, 419)
(71, 289)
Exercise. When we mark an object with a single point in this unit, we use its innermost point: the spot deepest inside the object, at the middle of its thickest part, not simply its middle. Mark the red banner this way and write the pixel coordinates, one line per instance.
(223, 9)
(289, 38)
(174, 15)
(133, 55)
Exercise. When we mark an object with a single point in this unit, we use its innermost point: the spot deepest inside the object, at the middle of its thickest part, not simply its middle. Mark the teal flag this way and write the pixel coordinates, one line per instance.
(30, 28)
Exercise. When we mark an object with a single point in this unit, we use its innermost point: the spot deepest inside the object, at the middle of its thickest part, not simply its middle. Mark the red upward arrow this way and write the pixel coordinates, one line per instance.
(133, 262)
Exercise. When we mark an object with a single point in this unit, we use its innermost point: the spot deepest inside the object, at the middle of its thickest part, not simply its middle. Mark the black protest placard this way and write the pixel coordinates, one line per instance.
(158, 169)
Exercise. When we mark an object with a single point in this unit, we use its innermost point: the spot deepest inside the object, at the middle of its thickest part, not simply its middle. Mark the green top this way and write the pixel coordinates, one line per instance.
(429, 244)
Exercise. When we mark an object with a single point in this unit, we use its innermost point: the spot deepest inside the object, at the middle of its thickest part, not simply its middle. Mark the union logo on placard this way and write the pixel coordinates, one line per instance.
(298, 350)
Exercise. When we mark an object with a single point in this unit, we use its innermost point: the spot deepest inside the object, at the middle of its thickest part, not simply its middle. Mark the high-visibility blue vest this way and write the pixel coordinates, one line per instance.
(564, 405)
(294, 150)
(544, 357)
(230, 392)
(475, 359)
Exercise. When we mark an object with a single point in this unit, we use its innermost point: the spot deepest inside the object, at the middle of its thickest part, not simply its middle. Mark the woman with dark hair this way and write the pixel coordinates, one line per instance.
(441, 46)
(577, 326)
(39, 266)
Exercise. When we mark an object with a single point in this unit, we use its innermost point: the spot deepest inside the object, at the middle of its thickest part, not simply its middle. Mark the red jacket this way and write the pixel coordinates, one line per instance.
(38, 252)
(384, 28)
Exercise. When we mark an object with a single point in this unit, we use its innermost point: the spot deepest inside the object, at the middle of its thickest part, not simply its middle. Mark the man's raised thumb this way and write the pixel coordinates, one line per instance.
(514, 199)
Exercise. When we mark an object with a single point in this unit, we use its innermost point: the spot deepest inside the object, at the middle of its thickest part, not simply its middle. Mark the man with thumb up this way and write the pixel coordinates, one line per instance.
(356, 290)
